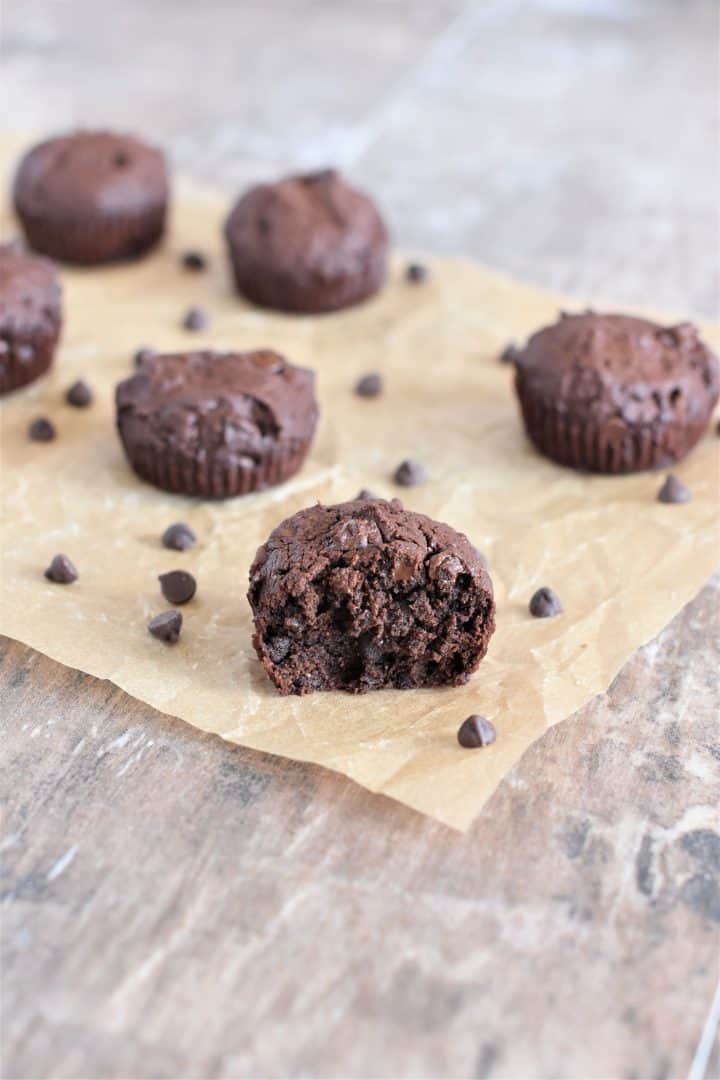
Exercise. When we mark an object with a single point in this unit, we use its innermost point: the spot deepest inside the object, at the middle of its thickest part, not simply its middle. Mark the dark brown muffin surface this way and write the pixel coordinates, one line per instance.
(92, 196)
(30, 316)
(307, 243)
(614, 393)
(216, 424)
(367, 595)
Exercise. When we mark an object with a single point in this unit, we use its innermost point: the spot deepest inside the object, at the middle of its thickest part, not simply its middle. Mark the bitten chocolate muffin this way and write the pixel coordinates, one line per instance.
(216, 424)
(367, 595)
(30, 317)
(616, 394)
(92, 197)
(307, 243)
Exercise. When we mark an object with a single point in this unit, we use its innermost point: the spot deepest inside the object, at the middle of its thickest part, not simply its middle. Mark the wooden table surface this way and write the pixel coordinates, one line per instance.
(176, 907)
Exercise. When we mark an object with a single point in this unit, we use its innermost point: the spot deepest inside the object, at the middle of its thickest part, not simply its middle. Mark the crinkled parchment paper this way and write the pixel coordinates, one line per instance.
(622, 563)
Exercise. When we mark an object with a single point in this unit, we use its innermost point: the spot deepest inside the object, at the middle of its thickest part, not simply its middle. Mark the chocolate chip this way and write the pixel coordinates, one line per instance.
(196, 319)
(166, 626)
(509, 354)
(41, 430)
(179, 537)
(674, 491)
(177, 586)
(143, 354)
(193, 260)
(476, 731)
(61, 570)
(79, 394)
(545, 603)
(320, 176)
(278, 648)
(364, 493)
(416, 273)
(369, 385)
(410, 473)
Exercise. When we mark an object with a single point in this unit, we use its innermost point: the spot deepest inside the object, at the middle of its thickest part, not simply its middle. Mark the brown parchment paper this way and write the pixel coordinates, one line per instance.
(623, 563)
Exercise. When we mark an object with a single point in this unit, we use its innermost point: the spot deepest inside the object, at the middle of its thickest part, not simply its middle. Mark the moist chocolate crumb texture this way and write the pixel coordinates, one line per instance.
(616, 394)
(367, 595)
(30, 317)
(308, 243)
(92, 196)
(216, 425)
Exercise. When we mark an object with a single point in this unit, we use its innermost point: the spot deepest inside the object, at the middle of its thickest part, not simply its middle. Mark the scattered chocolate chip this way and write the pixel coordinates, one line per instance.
(166, 626)
(61, 570)
(179, 537)
(193, 260)
(178, 586)
(545, 603)
(509, 354)
(364, 493)
(476, 731)
(416, 273)
(79, 394)
(369, 385)
(674, 491)
(143, 354)
(410, 473)
(41, 430)
(196, 319)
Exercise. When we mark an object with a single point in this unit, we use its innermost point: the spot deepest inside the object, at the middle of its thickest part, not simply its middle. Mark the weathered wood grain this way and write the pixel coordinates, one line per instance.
(173, 906)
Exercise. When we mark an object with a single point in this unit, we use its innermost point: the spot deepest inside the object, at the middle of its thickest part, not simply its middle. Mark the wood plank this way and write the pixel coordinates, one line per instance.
(176, 906)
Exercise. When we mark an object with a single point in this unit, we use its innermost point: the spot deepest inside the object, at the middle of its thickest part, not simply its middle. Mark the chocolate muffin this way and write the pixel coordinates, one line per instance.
(307, 243)
(30, 317)
(216, 424)
(92, 197)
(616, 394)
(367, 595)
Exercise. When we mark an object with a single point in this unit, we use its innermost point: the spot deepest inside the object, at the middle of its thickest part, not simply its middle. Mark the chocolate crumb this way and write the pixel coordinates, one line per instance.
(476, 731)
(196, 319)
(178, 586)
(179, 537)
(166, 626)
(674, 491)
(142, 354)
(509, 354)
(41, 430)
(409, 473)
(544, 604)
(61, 570)
(193, 260)
(365, 493)
(369, 385)
(416, 272)
(79, 394)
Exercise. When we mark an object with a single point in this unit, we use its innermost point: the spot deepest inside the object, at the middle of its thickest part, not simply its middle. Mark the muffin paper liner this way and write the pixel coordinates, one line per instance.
(622, 563)
(212, 478)
(87, 242)
(613, 448)
(16, 372)
(285, 293)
